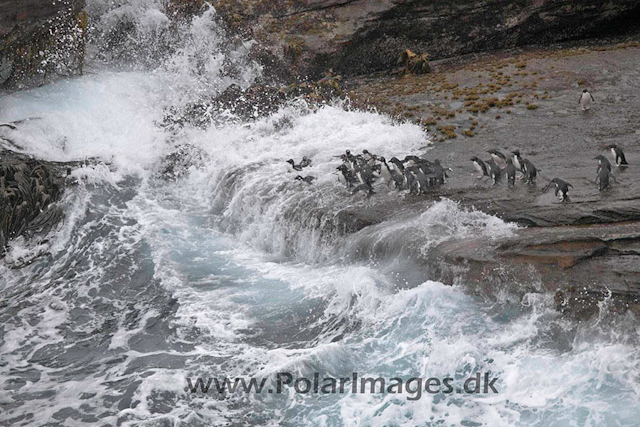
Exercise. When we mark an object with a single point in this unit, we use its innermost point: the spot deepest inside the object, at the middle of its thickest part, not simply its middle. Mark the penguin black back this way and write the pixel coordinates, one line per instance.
(618, 155)
(510, 171)
(494, 171)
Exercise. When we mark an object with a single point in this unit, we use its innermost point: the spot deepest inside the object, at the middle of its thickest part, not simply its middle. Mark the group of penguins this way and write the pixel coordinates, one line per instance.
(358, 172)
(499, 162)
(417, 175)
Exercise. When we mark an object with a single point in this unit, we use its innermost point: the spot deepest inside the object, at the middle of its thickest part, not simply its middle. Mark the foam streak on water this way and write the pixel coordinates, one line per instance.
(236, 269)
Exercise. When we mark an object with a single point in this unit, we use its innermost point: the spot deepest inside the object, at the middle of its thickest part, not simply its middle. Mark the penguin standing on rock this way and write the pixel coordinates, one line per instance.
(397, 165)
(439, 172)
(409, 182)
(517, 159)
(518, 162)
(389, 175)
(480, 167)
(530, 171)
(585, 100)
(603, 178)
(494, 172)
(510, 171)
(561, 190)
(618, 155)
(385, 171)
(421, 182)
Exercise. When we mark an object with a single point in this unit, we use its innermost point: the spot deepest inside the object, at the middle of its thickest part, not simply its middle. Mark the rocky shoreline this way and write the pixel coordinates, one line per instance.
(586, 251)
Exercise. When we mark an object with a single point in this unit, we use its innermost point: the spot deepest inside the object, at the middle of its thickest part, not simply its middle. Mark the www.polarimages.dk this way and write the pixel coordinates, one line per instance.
(285, 381)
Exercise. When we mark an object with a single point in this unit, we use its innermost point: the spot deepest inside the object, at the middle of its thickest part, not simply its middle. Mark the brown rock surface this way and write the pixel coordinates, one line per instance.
(360, 36)
(39, 37)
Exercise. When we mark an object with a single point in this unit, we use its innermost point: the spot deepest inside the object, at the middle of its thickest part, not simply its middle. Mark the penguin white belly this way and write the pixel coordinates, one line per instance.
(341, 179)
(516, 163)
(615, 156)
(386, 173)
(478, 167)
(585, 101)
(499, 161)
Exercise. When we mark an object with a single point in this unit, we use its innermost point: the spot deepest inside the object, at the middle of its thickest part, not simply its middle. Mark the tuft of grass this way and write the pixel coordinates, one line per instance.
(532, 107)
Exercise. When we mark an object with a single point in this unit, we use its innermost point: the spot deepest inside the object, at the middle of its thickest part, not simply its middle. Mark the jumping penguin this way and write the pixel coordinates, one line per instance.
(561, 190)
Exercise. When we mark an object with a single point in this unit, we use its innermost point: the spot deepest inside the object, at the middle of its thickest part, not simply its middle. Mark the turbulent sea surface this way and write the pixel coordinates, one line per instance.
(235, 269)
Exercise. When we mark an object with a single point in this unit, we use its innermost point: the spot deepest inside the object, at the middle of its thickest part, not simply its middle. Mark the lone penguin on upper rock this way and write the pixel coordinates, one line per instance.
(585, 100)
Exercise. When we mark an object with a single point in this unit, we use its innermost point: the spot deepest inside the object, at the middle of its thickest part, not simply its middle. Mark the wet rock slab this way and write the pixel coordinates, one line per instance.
(584, 265)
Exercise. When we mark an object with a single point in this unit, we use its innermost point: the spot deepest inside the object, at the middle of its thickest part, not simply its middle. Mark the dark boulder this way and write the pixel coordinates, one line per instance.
(29, 192)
